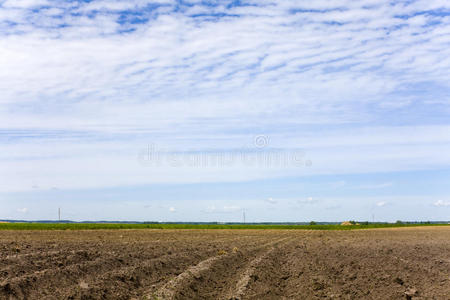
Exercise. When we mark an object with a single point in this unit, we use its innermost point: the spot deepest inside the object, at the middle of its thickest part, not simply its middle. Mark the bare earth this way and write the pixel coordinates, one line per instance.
(403, 263)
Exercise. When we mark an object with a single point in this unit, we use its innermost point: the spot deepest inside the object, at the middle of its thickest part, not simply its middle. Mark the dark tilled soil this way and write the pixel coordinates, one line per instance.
(402, 263)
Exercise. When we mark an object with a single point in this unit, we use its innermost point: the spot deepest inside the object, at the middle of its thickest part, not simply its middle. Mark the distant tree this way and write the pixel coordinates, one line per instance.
(352, 222)
(365, 223)
(312, 223)
(399, 222)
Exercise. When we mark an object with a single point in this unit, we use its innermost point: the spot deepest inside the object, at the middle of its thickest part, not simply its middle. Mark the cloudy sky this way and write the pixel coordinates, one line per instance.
(200, 110)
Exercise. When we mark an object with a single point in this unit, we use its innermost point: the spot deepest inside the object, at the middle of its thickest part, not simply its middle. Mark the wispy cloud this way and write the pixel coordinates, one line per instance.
(441, 203)
(382, 203)
(375, 186)
(22, 210)
(271, 200)
(223, 209)
(308, 200)
(140, 51)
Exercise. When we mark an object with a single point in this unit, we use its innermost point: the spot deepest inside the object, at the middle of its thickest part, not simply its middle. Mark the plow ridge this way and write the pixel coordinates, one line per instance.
(168, 290)
(245, 278)
(173, 287)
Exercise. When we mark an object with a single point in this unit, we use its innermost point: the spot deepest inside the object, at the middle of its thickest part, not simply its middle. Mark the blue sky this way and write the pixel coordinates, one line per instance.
(183, 110)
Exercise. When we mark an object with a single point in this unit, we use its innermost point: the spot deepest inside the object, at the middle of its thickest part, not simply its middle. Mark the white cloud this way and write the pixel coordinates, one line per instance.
(375, 186)
(381, 203)
(309, 200)
(72, 161)
(441, 203)
(24, 3)
(222, 209)
(271, 200)
(154, 59)
(23, 210)
(84, 90)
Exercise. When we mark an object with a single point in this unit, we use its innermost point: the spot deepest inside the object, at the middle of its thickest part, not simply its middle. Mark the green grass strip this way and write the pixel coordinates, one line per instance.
(94, 226)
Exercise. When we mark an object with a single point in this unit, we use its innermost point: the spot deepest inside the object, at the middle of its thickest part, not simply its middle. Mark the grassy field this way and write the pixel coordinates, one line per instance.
(91, 226)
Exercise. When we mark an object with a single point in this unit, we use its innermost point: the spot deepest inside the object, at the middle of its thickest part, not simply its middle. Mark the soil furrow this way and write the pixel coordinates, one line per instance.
(211, 277)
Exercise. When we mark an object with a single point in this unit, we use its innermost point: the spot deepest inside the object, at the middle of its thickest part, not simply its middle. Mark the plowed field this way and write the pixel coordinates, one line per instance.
(400, 263)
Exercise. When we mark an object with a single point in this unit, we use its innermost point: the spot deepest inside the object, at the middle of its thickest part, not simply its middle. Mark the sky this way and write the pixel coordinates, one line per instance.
(289, 111)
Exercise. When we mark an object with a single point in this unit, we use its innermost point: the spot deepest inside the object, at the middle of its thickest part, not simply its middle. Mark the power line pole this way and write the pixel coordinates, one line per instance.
(243, 215)
(59, 214)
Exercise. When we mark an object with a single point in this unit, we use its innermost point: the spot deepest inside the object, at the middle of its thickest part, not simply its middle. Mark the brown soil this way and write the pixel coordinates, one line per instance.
(404, 263)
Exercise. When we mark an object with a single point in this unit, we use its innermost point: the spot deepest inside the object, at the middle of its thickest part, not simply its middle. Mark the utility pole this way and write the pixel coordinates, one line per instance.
(59, 214)
(243, 215)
